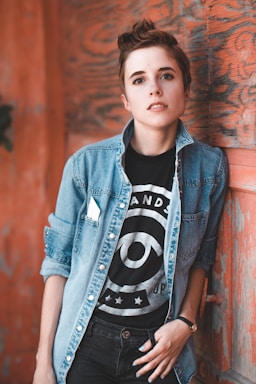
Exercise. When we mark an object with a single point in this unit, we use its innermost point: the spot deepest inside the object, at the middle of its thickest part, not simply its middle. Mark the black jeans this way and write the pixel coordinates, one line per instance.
(106, 354)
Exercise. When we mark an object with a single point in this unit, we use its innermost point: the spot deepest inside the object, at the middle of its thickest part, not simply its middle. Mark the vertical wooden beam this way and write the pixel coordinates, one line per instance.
(28, 175)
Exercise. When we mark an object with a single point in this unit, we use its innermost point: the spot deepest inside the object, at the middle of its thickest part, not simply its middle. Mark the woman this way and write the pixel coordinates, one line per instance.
(133, 234)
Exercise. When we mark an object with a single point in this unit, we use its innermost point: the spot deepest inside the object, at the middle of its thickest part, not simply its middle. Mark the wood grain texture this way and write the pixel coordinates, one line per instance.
(232, 73)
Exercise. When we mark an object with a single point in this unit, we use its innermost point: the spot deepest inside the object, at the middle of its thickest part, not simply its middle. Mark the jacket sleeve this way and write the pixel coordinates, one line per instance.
(59, 235)
(206, 255)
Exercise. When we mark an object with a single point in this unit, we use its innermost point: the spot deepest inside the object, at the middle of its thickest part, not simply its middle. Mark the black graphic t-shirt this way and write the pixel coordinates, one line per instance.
(135, 292)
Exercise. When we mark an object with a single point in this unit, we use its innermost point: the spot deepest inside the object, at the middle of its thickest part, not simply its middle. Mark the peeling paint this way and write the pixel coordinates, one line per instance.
(3, 332)
(4, 267)
(239, 217)
(6, 366)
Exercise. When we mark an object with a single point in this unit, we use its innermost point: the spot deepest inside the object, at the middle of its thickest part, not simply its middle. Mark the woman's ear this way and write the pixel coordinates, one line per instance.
(187, 94)
(125, 102)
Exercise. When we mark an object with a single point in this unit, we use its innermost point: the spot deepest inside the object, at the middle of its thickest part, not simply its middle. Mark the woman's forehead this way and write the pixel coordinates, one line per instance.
(150, 58)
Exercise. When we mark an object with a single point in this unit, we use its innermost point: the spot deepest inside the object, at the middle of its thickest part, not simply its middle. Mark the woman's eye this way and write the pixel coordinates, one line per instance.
(167, 76)
(139, 80)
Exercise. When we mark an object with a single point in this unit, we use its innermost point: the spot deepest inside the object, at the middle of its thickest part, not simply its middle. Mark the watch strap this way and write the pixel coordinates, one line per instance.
(192, 326)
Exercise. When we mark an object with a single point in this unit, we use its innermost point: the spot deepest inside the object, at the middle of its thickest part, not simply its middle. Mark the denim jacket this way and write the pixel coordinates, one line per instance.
(81, 248)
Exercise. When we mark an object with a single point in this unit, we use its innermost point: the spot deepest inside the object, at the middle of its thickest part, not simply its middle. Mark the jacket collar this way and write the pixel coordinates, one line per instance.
(183, 138)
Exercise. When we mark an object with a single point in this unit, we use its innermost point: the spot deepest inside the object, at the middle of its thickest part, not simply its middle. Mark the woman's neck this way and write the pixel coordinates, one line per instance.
(153, 142)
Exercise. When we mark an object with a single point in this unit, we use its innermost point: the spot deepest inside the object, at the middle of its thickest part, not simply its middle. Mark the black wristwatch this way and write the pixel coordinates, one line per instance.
(193, 327)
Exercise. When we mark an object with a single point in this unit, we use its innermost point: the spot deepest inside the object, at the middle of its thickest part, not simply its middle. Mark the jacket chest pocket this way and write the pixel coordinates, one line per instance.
(85, 235)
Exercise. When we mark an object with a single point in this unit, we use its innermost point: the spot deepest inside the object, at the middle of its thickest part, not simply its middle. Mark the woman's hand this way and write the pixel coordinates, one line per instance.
(170, 340)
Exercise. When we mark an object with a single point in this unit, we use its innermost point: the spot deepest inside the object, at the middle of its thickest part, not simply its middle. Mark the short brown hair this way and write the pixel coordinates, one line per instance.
(143, 35)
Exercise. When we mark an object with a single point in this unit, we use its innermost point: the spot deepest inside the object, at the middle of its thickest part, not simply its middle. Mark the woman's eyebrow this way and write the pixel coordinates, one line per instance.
(137, 73)
(162, 69)
(166, 69)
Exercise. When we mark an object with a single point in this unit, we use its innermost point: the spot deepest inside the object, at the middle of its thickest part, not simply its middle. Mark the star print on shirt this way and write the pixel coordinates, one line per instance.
(123, 300)
(119, 300)
(138, 300)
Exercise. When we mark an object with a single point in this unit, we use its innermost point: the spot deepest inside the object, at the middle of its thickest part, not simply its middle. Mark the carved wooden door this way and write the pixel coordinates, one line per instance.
(226, 343)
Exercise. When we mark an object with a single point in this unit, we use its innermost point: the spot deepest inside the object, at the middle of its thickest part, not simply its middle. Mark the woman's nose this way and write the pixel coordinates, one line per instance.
(155, 89)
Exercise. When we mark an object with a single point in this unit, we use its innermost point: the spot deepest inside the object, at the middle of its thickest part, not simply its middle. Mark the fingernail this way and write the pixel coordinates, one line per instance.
(141, 348)
(134, 364)
(137, 375)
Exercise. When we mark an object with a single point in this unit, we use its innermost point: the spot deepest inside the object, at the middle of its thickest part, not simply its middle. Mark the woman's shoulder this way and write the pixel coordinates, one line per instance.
(205, 158)
(113, 142)
(205, 151)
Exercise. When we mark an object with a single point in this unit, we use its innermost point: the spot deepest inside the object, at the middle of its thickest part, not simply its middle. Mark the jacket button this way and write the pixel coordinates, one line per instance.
(91, 297)
(112, 236)
(122, 205)
(68, 358)
(79, 328)
(102, 267)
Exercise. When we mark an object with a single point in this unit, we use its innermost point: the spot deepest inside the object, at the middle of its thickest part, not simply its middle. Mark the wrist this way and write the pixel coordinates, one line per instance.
(44, 357)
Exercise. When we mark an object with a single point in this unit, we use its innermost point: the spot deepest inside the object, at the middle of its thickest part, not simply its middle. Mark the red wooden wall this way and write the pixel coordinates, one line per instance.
(58, 68)
(30, 81)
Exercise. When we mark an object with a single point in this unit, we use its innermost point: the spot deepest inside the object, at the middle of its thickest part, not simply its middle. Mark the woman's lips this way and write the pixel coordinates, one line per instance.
(157, 106)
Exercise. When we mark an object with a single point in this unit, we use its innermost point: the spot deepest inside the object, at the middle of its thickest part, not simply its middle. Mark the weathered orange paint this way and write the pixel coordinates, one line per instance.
(228, 355)
(30, 80)
(232, 76)
(43, 40)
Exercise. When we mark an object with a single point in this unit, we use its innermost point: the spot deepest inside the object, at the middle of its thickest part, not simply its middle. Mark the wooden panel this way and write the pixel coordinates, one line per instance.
(28, 176)
(244, 287)
(234, 274)
(22, 85)
(232, 73)
(242, 169)
(227, 337)
(233, 324)
(225, 345)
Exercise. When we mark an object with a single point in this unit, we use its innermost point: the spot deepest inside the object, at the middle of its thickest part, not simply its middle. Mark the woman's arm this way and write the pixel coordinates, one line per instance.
(51, 307)
(192, 299)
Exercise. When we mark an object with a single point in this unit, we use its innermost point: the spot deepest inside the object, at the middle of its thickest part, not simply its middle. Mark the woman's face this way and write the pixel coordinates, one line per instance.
(154, 89)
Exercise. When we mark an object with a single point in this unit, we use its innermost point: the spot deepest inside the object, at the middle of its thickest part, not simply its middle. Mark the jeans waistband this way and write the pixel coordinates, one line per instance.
(117, 330)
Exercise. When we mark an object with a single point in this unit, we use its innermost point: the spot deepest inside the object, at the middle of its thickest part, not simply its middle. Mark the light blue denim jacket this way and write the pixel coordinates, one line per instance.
(81, 249)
